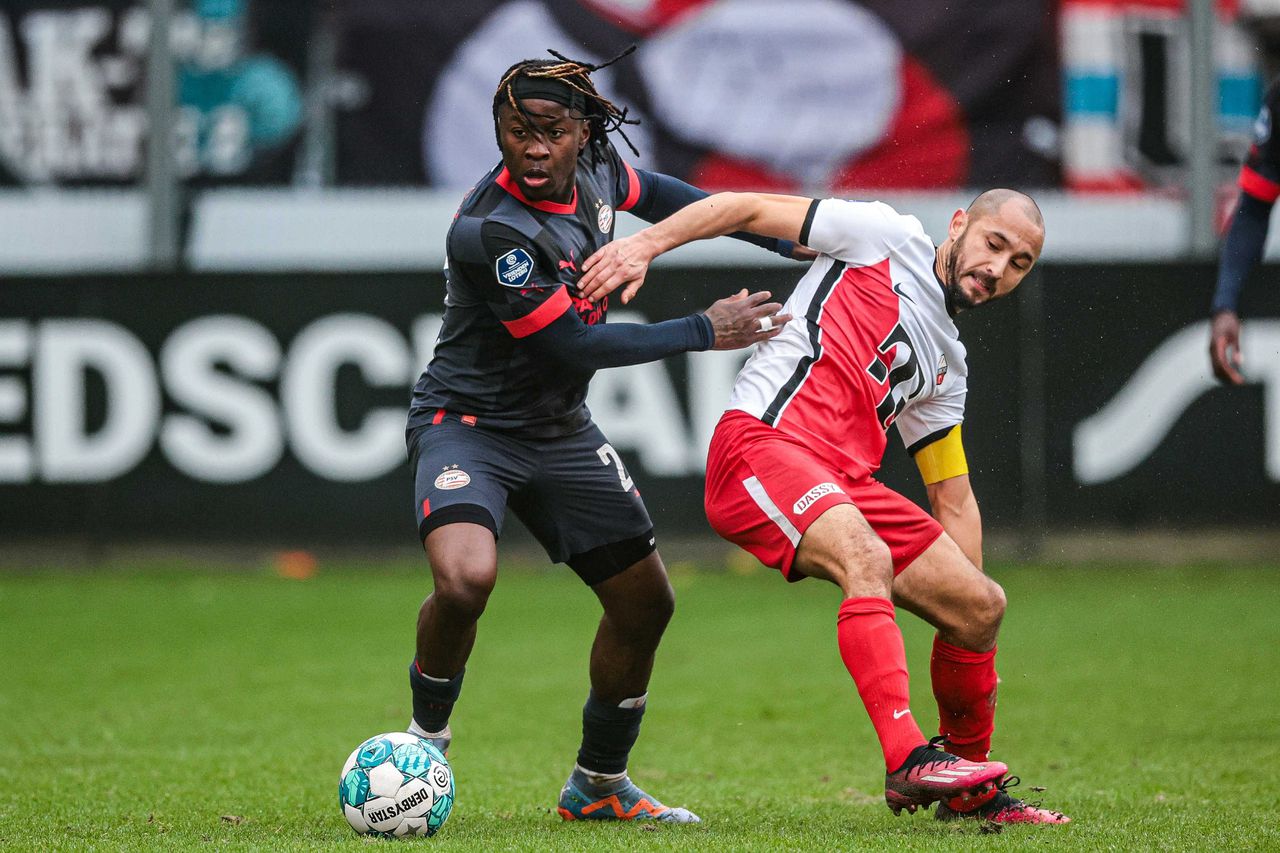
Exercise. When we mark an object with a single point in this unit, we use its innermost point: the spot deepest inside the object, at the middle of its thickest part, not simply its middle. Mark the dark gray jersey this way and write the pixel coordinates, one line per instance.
(512, 270)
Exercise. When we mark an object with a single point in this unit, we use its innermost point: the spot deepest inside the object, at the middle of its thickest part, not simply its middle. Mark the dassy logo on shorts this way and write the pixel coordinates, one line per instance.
(811, 497)
(452, 478)
(515, 268)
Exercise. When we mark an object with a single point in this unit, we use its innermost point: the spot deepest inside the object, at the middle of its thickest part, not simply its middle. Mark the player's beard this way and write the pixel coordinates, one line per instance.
(956, 294)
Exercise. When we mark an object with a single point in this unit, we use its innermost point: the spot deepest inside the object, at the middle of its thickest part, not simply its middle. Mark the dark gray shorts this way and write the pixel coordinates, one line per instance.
(573, 492)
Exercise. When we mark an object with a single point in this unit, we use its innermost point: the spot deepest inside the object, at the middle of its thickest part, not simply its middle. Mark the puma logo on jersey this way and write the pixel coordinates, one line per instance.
(812, 496)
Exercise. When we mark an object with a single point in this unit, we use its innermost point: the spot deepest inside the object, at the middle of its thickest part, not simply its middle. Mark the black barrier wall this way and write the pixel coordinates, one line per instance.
(271, 408)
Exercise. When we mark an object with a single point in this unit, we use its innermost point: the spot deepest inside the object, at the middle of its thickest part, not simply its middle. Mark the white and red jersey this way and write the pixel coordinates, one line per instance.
(872, 343)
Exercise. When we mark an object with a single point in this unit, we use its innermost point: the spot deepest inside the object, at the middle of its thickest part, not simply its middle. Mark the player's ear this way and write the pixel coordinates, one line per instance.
(959, 220)
(586, 135)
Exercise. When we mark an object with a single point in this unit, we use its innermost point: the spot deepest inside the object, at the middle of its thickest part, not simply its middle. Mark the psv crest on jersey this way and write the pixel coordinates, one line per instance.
(515, 268)
(605, 218)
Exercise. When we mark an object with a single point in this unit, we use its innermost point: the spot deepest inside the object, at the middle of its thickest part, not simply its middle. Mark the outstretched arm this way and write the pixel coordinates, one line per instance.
(662, 195)
(626, 261)
(525, 295)
(730, 323)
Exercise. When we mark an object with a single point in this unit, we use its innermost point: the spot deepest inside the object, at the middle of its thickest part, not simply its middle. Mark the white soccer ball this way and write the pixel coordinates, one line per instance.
(396, 784)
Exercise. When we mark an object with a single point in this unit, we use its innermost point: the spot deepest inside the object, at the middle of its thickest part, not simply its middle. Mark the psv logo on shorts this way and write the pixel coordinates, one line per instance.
(812, 496)
(452, 478)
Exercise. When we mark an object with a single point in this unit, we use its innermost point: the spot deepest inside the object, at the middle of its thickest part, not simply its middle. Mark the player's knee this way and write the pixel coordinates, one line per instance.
(463, 589)
(995, 604)
(987, 613)
(663, 605)
(648, 613)
(642, 618)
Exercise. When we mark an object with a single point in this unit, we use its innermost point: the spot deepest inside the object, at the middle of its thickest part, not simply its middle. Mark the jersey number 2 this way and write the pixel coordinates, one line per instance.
(904, 369)
(607, 454)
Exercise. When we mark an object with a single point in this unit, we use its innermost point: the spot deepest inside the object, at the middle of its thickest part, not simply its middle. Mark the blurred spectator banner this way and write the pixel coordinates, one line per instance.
(272, 407)
(818, 95)
(809, 94)
(1127, 107)
(73, 80)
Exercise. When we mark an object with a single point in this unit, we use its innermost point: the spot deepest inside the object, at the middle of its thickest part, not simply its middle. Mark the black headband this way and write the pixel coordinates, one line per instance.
(549, 89)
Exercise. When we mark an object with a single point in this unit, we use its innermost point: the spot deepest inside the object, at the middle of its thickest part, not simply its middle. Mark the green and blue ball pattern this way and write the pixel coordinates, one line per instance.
(396, 784)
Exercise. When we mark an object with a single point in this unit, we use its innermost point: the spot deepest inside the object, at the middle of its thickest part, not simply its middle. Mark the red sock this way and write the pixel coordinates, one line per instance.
(871, 646)
(964, 683)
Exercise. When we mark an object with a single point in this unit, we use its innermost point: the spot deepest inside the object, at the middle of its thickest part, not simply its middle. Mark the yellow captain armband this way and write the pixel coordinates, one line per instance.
(942, 458)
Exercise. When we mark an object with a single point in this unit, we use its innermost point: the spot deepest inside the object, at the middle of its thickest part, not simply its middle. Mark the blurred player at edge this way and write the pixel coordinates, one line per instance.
(498, 418)
(790, 465)
(1259, 189)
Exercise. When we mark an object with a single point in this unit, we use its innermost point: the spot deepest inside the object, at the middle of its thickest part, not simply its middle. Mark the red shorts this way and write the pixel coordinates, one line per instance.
(764, 489)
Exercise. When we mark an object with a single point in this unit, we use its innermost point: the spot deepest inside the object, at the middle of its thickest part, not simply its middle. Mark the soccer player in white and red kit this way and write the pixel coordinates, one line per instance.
(789, 473)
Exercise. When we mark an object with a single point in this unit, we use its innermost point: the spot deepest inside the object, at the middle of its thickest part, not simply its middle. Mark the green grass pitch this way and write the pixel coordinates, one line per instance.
(166, 708)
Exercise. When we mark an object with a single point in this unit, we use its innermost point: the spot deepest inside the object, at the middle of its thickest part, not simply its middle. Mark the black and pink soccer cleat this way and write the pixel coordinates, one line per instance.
(997, 806)
(929, 775)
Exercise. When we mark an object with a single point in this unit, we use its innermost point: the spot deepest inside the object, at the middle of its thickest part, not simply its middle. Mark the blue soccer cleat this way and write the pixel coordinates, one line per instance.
(580, 799)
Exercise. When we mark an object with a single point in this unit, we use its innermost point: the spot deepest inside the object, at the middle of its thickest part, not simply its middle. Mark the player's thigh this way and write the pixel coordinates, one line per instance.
(583, 507)
(840, 546)
(943, 587)
(463, 476)
(901, 524)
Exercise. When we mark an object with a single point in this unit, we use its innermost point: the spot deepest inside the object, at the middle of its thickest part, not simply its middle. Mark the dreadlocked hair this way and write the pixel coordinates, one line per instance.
(601, 114)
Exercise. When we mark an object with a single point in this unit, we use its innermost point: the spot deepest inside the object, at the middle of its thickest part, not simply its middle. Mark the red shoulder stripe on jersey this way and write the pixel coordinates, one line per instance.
(633, 188)
(505, 181)
(1263, 189)
(541, 317)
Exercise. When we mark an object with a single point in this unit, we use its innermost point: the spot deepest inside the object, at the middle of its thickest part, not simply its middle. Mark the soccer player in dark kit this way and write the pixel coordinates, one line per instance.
(1246, 238)
(498, 418)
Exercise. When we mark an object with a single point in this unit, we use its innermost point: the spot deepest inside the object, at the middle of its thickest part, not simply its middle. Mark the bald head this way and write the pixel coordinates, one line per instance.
(990, 247)
(990, 202)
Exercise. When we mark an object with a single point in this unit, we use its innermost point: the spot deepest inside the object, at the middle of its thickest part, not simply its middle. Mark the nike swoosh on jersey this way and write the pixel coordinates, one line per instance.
(897, 288)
